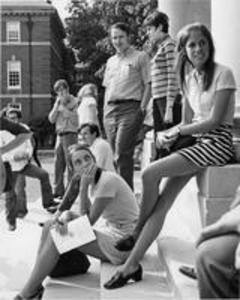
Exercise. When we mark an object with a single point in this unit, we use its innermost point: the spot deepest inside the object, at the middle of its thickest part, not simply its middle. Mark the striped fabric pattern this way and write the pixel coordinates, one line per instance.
(164, 80)
(211, 149)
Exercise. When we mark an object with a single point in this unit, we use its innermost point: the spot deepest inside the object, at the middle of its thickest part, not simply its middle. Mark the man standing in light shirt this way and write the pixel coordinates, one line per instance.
(127, 92)
(100, 148)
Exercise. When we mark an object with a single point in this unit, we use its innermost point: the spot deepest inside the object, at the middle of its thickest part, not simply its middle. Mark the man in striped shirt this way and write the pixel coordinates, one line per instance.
(163, 76)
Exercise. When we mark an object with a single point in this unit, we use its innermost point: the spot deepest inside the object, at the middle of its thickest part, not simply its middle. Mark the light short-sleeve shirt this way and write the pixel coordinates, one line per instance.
(87, 111)
(102, 151)
(126, 75)
(123, 209)
(202, 102)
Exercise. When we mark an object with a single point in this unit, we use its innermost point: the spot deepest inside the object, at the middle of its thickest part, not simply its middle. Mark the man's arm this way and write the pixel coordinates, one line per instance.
(229, 222)
(21, 133)
(52, 117)
(146, 96)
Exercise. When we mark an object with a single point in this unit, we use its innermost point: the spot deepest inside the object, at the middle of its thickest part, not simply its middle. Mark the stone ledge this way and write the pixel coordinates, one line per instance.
(219, 181)
(212, 208)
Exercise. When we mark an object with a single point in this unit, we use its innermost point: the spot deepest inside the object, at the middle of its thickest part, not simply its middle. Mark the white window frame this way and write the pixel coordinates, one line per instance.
(13, 32)
(14, 69)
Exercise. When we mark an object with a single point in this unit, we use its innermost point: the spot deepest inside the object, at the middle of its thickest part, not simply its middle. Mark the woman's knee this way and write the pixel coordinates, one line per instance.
(68, 216)
(148, 176)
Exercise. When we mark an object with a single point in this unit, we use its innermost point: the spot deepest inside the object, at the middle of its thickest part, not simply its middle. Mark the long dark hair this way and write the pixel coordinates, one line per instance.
(182, 61)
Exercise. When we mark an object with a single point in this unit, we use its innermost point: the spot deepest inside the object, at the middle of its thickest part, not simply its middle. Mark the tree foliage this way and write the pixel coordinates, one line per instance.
(89, 22)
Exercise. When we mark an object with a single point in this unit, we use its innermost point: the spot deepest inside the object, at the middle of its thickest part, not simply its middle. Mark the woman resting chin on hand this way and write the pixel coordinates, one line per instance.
(102, 194)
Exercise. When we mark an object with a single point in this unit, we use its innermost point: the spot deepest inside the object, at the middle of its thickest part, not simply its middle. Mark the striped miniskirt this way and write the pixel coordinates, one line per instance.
(214, 148)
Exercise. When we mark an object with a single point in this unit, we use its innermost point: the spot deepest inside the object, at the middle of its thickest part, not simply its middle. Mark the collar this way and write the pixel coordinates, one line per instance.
(126, 52)
(162, 39)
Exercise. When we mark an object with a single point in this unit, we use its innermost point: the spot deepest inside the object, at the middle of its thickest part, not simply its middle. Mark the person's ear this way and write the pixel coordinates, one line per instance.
(159, 28)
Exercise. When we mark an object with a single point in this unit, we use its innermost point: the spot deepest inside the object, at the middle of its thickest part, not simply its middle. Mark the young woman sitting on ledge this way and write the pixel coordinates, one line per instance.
(102, 194)
(208, 90)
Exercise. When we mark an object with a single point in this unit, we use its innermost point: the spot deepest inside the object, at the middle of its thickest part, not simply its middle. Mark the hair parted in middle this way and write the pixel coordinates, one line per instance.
(182, 59)
(78, 147)
(122, 26)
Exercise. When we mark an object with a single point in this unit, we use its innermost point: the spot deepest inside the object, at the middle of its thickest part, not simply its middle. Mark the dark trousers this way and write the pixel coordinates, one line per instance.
(217, 276)
(33, 171)
(122, 123)
(159, 109)
(61, 162)
(10, 196)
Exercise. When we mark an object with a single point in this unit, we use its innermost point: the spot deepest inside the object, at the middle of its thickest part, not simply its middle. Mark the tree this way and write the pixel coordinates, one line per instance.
(87, 27)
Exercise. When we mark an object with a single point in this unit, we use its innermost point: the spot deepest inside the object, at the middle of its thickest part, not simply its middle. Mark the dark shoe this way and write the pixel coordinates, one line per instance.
(125, 244)
(12, 225)
(36, 296)
(52, 208)
(118, 280)
(188, 271)
(21, 215)
(57, 196)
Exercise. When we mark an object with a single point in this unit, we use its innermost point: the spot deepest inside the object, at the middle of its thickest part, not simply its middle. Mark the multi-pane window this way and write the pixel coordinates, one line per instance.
(14, 74)
(13, 31)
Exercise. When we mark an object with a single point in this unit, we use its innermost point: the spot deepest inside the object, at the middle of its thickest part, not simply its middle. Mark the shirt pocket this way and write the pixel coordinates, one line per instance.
(128, 72)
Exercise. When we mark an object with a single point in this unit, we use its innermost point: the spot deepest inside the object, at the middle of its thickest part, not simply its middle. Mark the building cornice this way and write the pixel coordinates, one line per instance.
(26, 13)
(25, 96)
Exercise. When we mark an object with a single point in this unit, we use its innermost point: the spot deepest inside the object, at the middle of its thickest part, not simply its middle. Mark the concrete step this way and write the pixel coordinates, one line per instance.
(176, 252)
(154, 286)
(85, 286)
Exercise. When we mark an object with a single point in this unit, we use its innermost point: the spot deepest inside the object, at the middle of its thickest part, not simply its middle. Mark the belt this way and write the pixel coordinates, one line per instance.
(66, 133)
(122, 101)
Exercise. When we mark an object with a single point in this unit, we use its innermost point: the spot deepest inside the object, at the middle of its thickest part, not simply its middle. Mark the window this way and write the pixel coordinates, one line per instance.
(14, 74)
(13, 32)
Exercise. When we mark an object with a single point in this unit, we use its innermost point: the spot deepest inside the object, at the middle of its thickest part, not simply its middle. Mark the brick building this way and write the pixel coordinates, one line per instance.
(33, 56)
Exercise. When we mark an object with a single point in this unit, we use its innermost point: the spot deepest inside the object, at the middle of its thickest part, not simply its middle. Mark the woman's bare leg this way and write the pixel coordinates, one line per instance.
(155, 222)
(48, 257)
(45, 262)
(171, 166)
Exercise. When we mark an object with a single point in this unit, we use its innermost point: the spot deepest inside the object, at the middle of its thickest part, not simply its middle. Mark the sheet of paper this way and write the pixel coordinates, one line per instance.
(80, 233)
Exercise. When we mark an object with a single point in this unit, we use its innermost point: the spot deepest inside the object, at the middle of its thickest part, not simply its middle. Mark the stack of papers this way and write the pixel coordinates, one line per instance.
(79, 233)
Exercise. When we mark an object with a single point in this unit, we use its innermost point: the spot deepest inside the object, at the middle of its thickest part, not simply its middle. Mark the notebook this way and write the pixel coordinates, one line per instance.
(79, 233)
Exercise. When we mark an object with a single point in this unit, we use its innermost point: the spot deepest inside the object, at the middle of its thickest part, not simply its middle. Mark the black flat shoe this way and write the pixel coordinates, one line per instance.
(188, 271)
(36, 296)
(125, 244)
(118, 280)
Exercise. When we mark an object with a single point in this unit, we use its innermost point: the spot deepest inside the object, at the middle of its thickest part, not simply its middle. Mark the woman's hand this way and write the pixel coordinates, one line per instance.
(229, 222)
(61, 226)
(166, 139)
(88, 175)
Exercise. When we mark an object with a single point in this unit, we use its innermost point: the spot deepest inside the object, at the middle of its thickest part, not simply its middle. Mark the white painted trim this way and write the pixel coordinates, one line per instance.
(17, 30)
(18, 70)
(25, 95)
(25, 44)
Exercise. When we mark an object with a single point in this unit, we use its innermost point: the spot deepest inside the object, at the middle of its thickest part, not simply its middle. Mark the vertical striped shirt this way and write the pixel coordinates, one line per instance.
(163, 75)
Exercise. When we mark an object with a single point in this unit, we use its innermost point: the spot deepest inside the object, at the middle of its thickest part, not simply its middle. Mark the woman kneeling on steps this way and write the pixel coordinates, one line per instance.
(102, 194)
